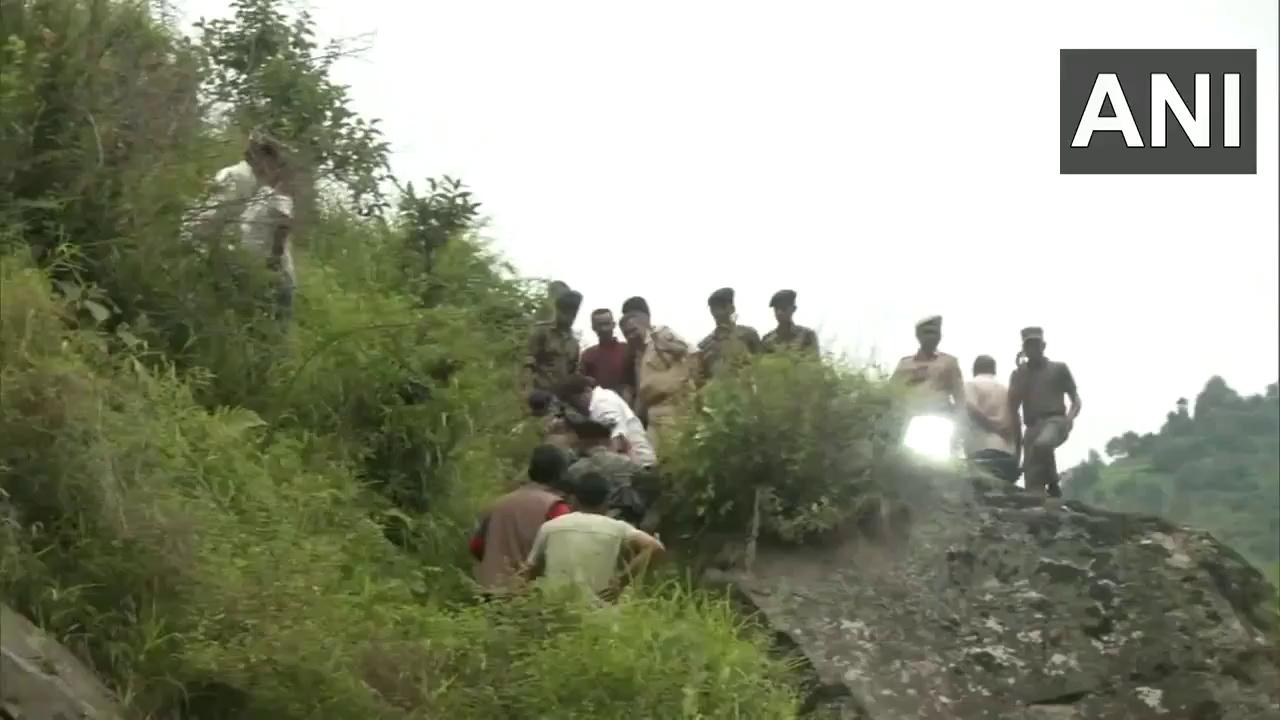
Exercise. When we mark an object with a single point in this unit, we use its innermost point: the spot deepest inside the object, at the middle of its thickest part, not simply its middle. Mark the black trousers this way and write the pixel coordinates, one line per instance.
(998, 463)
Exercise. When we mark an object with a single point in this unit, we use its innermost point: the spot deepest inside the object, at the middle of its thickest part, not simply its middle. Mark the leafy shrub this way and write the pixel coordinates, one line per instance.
(201, 563)
(812, 435)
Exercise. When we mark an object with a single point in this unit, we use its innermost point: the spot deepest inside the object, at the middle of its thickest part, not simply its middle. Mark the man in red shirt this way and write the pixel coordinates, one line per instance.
(606, 362)
(504, 536)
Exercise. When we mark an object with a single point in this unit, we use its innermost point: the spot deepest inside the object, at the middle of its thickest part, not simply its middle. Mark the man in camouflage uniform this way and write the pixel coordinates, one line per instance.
(663, 374)
(624, 475)
(788, 336)
(553, 347)
(729, 342)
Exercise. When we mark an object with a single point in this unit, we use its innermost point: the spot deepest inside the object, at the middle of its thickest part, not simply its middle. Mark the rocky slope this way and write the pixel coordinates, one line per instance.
(41, 680)
(998, 605)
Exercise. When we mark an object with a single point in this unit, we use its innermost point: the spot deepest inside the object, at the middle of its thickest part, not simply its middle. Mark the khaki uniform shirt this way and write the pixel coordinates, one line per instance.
(932, 381)
(1040, 389)
(797, 338)
(552, 355)
(727, 345)
(662, 369)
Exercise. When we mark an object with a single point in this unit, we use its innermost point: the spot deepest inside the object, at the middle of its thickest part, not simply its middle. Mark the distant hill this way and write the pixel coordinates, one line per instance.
(1213, 465)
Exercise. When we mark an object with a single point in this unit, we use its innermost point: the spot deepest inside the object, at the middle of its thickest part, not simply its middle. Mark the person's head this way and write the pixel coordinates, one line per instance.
(540, 403)
(635, 325)
(635, 304)
(575, 391)
(783, 303)
(591, 433)
(721, 305)
(592, 493)
(556, 288)
(567, 304)
(929, 333)
(984, 365)
(266, 157)
(602, 323)
(547, 466)
(1033, 344)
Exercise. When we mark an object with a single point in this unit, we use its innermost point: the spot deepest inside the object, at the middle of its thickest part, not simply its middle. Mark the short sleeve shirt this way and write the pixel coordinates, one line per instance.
(267, 211)
(1040, 390)
(796, 339)
(726, 345)
(581, 548)
(552, 355)
(932, 381)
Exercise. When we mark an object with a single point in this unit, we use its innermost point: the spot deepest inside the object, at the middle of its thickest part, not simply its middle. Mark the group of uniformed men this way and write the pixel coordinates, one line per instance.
(604, 412)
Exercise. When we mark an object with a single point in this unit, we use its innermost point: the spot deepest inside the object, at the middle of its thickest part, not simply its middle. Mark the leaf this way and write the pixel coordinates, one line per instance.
(99, 312)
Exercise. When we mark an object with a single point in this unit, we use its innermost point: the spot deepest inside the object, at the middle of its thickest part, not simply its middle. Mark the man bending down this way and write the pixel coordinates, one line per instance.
(587, 548)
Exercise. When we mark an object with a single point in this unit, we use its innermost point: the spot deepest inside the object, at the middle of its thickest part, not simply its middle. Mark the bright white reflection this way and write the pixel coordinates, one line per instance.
(930, 437)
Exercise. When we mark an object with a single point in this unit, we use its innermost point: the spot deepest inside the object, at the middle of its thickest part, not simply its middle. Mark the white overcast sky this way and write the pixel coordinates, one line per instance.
(886, 160)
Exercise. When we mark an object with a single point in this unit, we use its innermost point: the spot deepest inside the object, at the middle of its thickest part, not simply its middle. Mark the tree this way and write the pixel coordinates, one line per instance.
(263, 70)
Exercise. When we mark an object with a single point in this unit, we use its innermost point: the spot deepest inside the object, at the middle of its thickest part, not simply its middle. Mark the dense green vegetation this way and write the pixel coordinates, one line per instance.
(1213, 465)
(230, 520)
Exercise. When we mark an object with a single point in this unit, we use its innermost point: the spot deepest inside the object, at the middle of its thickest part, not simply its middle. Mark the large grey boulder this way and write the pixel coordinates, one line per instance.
(998, 605)
(41, 680)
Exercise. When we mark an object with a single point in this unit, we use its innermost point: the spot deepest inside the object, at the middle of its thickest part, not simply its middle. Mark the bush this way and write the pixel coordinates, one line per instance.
(812, 435)
(201, 563)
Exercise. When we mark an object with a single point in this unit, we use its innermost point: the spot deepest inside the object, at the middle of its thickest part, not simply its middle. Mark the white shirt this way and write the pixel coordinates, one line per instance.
(608, 408)
(990, 397)
(233, 186)
(264, 213)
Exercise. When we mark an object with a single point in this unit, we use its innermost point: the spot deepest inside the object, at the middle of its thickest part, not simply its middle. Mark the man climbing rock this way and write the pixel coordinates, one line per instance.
(730, 342)
(989, 441)
(606, 361)
(1037, 390)
(662, 370)
(504, 535)
(553, 346)
(788, 336)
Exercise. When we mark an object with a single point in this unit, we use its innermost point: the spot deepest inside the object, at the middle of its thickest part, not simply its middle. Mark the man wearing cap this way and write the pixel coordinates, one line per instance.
(933, 377)
(1036, 393)
(663, 377)
(553, 346)
(788, 336)
(730, 342)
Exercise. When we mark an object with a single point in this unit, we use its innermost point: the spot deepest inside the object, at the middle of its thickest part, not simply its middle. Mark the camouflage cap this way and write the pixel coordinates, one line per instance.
(569, 300)
(783, 298)
(635, 304)
(723, 296)
(932, 322)
(1032, 333)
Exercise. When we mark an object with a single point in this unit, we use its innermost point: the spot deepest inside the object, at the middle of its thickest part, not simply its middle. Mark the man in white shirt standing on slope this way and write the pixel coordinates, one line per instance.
(991, 428)
(256, 192)
(609, 409)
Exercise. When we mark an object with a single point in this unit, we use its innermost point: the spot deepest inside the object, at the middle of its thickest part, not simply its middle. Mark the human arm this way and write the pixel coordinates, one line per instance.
(641, 549)
(476, 542)
(1072, 393)
(1015, 415)
(533, 351)
(537, 560)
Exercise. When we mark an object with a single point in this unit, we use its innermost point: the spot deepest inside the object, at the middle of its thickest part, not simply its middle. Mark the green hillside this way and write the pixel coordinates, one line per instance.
(1214, 464)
